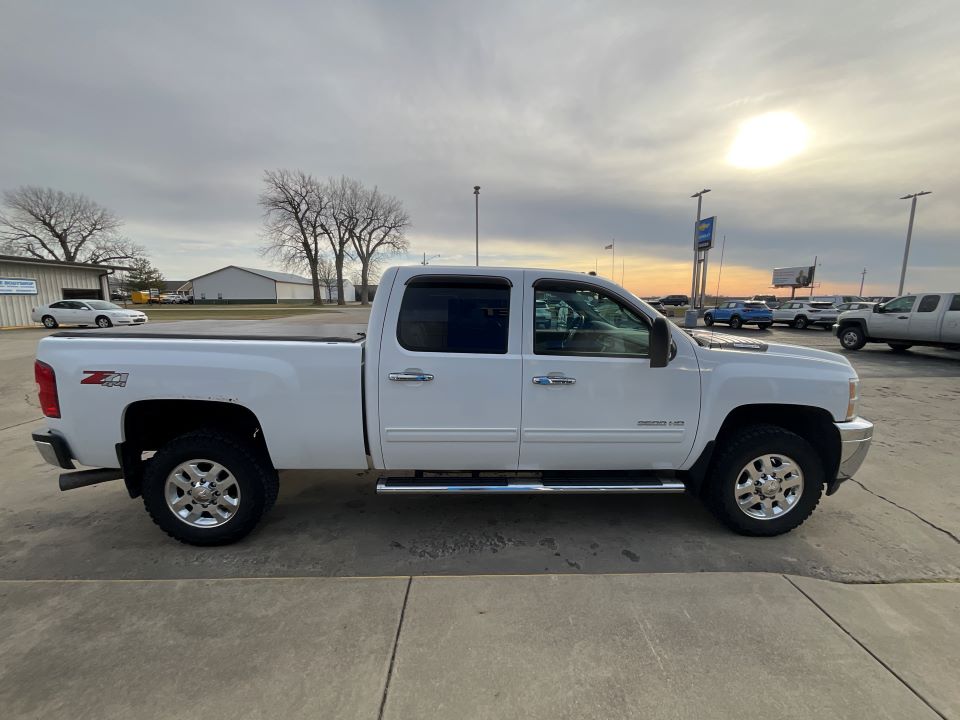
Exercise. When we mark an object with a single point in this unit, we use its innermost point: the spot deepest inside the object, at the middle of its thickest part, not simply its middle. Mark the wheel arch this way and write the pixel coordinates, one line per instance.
(813, 424)
(150, 424)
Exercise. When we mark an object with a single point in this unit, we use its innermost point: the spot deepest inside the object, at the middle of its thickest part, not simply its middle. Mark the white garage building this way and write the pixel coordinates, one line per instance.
(234, 285)
(26, 283)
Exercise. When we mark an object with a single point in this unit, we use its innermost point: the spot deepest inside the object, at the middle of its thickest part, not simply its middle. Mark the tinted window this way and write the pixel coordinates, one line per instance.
(468, 316)
(589, 322)
(955, 305)
(821, 305)
(60, 305)
(755, 305)
(929, 303)
(903, 304)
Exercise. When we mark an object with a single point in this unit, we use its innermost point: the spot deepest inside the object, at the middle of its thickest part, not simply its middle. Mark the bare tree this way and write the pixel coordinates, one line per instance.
(294, 207)
(346, 202)
(380, 228)
(53, 225)
(327, 274)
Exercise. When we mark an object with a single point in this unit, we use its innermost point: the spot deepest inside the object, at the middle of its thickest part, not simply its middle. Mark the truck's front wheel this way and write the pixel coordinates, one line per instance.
(852, 338)
(208, 488)
(765, 482)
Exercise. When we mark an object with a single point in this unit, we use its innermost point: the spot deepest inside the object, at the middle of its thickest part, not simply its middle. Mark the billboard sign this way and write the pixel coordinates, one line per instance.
(704, 231)
(18, 286)
(801, 276)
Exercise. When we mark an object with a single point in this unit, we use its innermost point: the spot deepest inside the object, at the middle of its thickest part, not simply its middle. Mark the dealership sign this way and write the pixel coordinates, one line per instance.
(705, 230)
(17, 286)
(793, 276)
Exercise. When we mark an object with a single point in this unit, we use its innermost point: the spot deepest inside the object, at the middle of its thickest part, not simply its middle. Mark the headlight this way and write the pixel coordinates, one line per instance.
(854, 397)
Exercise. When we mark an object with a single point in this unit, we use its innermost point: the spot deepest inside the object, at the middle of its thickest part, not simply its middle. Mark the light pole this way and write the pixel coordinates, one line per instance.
(906, 250)
(695, 285)
(476, 195)
(863, 276)
(426, 260)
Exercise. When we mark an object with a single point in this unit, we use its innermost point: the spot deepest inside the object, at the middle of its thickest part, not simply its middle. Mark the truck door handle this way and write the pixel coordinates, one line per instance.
(553, 380)
(903, 317)
(408, 376)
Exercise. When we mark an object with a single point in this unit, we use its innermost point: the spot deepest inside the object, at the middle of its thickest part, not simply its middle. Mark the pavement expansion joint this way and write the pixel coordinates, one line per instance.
(867, 650)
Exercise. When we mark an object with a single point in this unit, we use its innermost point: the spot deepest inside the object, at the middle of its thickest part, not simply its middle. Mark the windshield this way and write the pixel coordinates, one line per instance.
(102, 305)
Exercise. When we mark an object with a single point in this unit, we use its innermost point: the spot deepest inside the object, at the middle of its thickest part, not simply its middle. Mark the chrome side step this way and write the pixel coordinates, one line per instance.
(470, 486)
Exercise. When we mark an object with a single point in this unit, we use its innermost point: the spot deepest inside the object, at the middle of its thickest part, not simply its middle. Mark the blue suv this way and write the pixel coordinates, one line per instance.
(737, 313)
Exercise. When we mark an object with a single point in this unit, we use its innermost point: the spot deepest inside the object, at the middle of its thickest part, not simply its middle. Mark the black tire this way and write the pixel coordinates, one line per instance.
(739, 450)
(852, 337)
(257, 481)
(103, 321)
(736, 323)
(800, 322)
(49, 321)
(899, 347)
(764, 326)
(708, 319)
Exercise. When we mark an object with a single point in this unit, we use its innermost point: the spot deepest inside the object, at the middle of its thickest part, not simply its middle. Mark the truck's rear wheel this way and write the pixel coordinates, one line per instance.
(765, 482)
(208, 488)
(852, 338)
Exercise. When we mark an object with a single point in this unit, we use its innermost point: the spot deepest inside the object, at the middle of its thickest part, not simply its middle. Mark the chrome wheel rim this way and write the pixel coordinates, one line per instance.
(769, 486)
(49, 322)
(850, 338)
(103, 322)
(202, 493)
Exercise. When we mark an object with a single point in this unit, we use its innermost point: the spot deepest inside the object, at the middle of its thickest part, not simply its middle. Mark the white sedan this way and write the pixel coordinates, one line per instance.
(85, 312)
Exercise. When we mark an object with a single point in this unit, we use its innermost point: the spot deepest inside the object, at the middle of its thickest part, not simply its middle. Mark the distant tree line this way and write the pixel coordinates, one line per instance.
(318, 226)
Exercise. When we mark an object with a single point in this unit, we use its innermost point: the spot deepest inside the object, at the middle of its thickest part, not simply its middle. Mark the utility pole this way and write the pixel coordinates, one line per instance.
(476, 194)
(426, 260)
(696, 251)
(906, 250)
(863, 276)
(813, 280)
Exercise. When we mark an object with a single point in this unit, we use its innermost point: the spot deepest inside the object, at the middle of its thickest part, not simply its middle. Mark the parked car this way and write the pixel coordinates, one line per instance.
(85, 312)
(658, 306)
(171, 299)
(880, 298)
(931, 319)
(737, 313)
(677, 300)
(845, 307)
(837, 299)
(446, 379)
(802, 313)
(542, 315)
(766, 299)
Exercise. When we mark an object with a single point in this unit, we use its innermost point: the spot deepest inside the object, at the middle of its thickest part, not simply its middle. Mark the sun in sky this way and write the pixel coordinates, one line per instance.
(768, 140)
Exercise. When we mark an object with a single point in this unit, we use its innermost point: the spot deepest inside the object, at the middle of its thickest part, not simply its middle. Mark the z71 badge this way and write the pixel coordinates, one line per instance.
(106, 378)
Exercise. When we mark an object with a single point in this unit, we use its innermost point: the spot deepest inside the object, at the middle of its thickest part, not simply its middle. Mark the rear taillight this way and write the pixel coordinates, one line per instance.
(47, 389)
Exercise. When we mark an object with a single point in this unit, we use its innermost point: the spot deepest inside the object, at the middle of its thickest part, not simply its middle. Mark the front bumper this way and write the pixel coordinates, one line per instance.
(855, 438)
(129, 321)
(53, 449)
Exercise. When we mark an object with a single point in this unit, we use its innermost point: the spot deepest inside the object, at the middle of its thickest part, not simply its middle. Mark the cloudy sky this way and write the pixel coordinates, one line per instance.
(582, 122)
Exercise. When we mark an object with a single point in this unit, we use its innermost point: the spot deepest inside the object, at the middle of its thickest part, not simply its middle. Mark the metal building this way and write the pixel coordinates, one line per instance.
(235, 284)
(26, 283)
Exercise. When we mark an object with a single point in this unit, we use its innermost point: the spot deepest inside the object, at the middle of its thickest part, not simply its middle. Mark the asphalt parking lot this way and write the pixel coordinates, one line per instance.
(92, 557)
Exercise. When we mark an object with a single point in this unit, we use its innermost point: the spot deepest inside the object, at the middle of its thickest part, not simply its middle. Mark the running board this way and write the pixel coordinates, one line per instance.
(504, 486)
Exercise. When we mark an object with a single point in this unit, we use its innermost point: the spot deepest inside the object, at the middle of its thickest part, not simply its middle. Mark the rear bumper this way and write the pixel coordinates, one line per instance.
(53, 449)
(855, 439)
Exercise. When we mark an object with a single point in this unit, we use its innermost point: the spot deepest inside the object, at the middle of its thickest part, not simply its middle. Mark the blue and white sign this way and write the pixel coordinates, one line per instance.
(705, 230)
(18, 286)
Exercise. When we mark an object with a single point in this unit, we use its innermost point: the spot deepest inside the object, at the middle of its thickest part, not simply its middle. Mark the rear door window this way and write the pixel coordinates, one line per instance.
(929, 303)
(448, 315)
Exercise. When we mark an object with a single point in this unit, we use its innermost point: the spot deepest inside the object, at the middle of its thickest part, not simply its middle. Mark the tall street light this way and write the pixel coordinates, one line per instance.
(476, 195)
(696, 251)
(906, 250)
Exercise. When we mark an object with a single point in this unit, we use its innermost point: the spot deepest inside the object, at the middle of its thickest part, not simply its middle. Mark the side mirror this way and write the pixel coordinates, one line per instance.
(659, 343)
(878, 308)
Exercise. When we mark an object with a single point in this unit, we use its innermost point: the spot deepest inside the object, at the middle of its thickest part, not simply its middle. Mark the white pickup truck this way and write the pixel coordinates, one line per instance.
(931, 319)
(458, 385)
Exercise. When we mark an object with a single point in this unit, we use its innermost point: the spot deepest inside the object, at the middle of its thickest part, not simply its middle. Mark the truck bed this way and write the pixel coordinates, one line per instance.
(285, 330)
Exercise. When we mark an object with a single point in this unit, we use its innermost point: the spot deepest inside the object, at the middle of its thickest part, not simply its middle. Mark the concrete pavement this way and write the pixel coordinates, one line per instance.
(571, 646)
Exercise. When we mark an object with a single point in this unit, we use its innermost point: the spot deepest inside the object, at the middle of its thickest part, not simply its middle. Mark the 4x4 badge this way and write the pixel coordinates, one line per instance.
(106, 378)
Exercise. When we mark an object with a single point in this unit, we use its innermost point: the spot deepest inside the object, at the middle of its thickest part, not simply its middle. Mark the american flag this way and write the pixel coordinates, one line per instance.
(608, 247)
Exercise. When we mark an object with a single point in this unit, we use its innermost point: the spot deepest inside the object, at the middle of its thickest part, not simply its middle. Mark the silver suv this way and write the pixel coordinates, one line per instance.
(803, 313)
